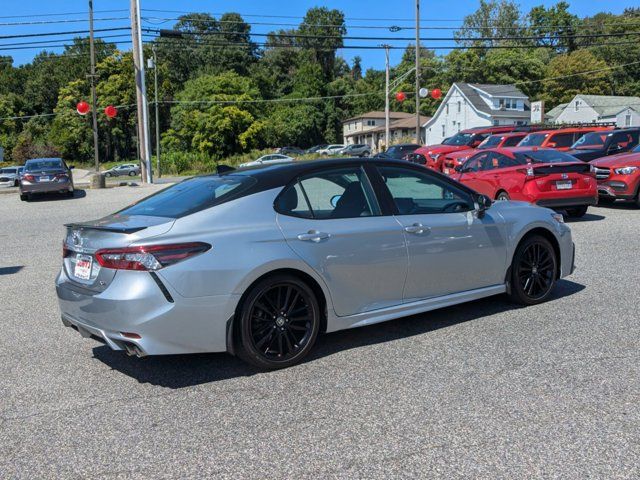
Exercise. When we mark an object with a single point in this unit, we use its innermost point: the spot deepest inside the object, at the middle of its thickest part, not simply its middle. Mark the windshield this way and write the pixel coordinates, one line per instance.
(533, 140)
(459, 139)
(191, 196)
(592, 140)
(544, 156)
(491, 141)
(43, 164)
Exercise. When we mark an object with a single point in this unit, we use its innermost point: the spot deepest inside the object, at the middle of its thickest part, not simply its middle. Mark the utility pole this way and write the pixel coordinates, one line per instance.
(418, 126)
(386, 98)
(92, 79)
(155, 90)
(141, 93)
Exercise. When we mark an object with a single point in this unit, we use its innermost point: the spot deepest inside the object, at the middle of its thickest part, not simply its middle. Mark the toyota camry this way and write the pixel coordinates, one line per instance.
(259, 261)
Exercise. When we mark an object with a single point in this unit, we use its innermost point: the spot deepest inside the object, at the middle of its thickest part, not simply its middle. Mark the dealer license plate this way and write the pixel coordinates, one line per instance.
(564, 185)
(83, 267)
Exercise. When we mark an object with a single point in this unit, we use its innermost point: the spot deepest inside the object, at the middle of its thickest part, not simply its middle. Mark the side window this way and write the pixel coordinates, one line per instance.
(475, 163)
(416, 193)
(503, 161)
(489, 162)
(562, 140)
(340, 193)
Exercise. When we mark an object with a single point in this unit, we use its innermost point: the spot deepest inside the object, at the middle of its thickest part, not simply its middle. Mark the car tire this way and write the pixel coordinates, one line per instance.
(132, 174)
(24, 197)
(16, 183)
(107, 174)
(606, 201)
(268, 334)
(534, 270)
(577, 212)
(70, 193)
(502, 196)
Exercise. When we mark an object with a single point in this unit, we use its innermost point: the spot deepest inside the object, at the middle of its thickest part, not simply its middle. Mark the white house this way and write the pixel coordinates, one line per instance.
(468, 105)
(623, 111)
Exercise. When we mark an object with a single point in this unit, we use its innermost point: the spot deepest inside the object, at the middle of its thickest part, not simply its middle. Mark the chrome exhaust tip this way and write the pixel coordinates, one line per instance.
(134, 350)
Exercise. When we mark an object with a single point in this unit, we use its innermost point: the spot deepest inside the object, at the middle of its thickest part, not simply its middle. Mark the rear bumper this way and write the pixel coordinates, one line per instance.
(46, 187)
(134, 303)
(567, 202)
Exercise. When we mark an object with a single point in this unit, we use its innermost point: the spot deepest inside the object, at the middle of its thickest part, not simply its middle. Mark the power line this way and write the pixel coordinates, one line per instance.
(425, 39)
(49, 22)
(69, 32)
(39, 15)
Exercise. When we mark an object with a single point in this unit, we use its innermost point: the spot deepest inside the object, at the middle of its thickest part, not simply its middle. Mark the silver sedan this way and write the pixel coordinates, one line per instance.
(259, 261)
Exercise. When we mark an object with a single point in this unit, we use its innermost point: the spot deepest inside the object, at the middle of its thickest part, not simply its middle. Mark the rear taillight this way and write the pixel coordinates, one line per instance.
(29, 178)
(151, 257)
(66, 251)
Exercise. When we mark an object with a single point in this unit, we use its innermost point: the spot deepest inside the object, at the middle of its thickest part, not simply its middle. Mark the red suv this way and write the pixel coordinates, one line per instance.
(463, 140)
(560, 139)
(619, 177)
(546, 177)
(453, 159)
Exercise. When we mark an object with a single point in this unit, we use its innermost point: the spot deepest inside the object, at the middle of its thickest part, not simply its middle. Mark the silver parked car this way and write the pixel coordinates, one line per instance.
(356, 150)
(45, 175)
(130, 169)
(10, 176)
(259, 261)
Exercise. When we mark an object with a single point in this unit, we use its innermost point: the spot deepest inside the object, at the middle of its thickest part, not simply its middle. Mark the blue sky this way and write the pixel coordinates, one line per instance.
(381, 13)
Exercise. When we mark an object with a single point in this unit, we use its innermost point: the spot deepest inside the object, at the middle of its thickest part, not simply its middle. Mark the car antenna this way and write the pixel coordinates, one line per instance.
(220, 169)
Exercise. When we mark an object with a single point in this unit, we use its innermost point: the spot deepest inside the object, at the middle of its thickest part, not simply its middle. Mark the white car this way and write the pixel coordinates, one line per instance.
(10, 176)
(268, 160)
(331, 149)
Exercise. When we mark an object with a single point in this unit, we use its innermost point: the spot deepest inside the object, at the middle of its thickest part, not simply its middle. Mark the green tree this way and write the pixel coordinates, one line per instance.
(564, 77)
(555, 21)
(10, 106)
(323, 30)
(71, 133)
(492, 19)
(213, 128)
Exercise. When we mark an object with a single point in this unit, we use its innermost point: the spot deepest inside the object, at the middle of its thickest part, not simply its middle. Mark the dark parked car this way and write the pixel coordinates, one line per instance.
(399, 151)
(43, 175)
(315, 148)
(290, 151)
(601, 144)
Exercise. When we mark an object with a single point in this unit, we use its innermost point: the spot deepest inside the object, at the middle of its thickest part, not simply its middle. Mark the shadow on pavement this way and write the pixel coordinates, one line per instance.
(10, 270)
(179, 371)
(589, 217)
(45, 197)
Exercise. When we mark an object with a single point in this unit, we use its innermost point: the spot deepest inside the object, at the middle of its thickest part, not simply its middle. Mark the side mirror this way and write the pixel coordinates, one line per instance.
(458, 168)
(615, 148)
(484, 203)
(552, 144)
(475, 143)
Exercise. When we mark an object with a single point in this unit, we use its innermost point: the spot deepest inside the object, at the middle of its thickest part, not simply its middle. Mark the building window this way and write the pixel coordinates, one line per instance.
(627, 120)
(496, 122)
(371, 123)
(444, 130)
(447, 109)
(459, 126)
(577, 105)
(459, 106)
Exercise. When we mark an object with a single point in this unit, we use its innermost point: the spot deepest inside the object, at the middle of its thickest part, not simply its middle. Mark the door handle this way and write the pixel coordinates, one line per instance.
(313, 236)
(416, 228)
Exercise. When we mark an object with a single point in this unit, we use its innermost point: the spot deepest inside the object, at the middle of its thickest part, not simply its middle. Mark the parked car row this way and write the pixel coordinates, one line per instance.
(602, 164)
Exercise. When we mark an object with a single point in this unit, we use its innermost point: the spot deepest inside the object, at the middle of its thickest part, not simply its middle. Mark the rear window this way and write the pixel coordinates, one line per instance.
(545, 156)
(44, 164)
(492, 141)
(459, 139)
(191, 196)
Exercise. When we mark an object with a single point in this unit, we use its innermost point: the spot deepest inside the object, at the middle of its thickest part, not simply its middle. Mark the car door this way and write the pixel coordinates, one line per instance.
(332, 220)
(450, 248)
(471, 170)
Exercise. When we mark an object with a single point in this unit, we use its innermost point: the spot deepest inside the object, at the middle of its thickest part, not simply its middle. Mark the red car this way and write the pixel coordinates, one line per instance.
(464, 140)
(545, 177)
(619, 177)
(452, 160)
(559, 139)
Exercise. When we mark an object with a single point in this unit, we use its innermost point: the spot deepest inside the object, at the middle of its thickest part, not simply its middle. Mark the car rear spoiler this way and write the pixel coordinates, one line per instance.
(111, 228)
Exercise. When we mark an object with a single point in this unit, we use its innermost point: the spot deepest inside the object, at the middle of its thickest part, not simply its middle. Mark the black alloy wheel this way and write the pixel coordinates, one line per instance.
(533, 271)
(279, 322)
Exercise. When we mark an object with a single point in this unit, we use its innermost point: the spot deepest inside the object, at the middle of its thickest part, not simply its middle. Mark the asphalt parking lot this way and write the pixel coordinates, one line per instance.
(479, 390)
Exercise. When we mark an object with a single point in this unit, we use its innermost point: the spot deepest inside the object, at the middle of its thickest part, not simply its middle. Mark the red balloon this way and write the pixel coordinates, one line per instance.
(401, 97)
(83, 108)
(436, 93)
(110, 111)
